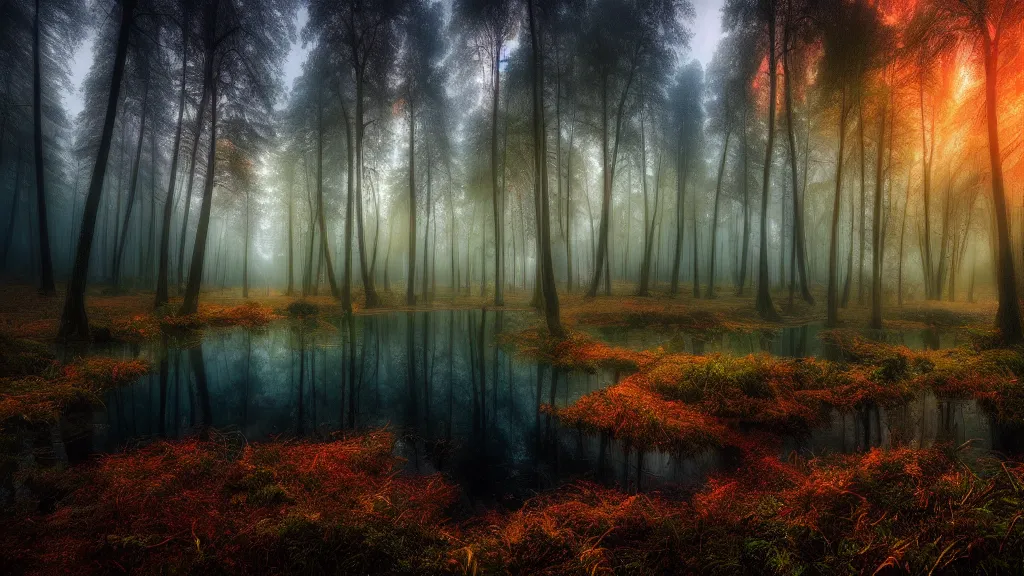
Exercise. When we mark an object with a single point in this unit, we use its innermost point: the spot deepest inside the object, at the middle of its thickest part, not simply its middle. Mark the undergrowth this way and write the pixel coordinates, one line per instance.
(896, 511)
(197, 507)
(34, 387)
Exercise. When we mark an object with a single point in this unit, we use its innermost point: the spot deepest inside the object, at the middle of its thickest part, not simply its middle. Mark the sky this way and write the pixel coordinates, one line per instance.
(707, 31)
(80, 65)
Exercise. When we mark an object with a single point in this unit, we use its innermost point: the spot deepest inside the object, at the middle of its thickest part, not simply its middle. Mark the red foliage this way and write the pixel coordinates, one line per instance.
(644, 420)
(191, 507)
(249, 315)
(907, 510)
(578, 351)
(44, 395)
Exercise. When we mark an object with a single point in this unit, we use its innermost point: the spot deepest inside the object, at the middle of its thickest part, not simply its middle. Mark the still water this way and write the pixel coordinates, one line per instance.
(801, 341)
(458, 403)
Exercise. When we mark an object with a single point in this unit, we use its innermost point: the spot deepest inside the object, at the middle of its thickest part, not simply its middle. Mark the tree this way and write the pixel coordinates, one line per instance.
(794, 20)
(52, 30)
(748, 13)
(888, 73)
(185, 11)
(363, 33)
(876, 226)
(237, 176)
(242, 54)
(649, 107)
(547, 279)
(687, 119)
(723, 87)
(987, 21)
(847, 35)
(321, 220)
(745, 60)
(346, 287)
(143, 72)
(621, 38)
(420, 56)
(46, 264)
(197, 132)
(74, 321)
(489, 24)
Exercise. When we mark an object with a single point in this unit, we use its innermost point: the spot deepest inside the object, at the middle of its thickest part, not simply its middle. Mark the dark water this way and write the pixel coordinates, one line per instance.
(457, 402)
(791, 341)
(923, 422)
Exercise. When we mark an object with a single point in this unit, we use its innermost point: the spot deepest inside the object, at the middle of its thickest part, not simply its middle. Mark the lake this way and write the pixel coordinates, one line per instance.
(456, 402)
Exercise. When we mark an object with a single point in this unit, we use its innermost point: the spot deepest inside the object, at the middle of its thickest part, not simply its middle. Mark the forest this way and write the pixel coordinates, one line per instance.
(511, 286)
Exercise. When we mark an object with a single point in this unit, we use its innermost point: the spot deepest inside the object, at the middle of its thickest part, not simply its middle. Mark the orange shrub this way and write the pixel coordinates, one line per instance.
(194, 507)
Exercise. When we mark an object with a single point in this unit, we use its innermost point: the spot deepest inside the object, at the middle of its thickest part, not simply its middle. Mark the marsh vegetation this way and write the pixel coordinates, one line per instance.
(507, 287)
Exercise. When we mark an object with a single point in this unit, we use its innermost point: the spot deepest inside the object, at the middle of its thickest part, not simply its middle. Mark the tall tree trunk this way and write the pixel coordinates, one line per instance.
(432, 220)
(845, 300)
(291, 229)
(863, 194)
(324, 244)
(832, 298)
(681, 174)
(483, 258)
(245, 251)
(927, 154)
(74, 321)
(547, 279)
(165, 231)
(308, 286)
(148, 269)
(714, 216)
(649, 240)
(764, 304)
(568, 203)
(190, 301)
(696, 251)
(496, 196)
(451, 235)
(197, 133)
(961, 250)
(940, 270)
(45, 262)
(903, 233)
(645, 260)
(9, 231)
(608, 159)
(132, 188)
(410, 283)
(799, 243)
(369, 293)
(876, 228)
(387, 255)
(426, 231)
(1008, 318)
(745, 252)
(111, 221)
(346, 287)
(629, 221)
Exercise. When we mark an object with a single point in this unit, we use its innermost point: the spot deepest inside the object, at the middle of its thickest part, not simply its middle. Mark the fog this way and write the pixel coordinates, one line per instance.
(830, 152)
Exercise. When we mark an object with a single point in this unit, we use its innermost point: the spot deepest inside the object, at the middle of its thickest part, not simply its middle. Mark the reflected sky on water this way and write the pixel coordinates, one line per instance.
(457, 402)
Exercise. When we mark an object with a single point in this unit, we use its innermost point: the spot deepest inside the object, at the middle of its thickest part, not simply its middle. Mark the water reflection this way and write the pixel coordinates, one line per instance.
(801, 341)
(924, 422)
(458, 403)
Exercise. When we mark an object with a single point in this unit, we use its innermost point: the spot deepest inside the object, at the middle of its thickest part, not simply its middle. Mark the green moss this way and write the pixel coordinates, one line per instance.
(23, 357)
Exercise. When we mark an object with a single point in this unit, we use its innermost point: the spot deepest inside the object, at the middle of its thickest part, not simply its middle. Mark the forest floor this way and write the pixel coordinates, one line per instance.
(131, 316)
(214, 505)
